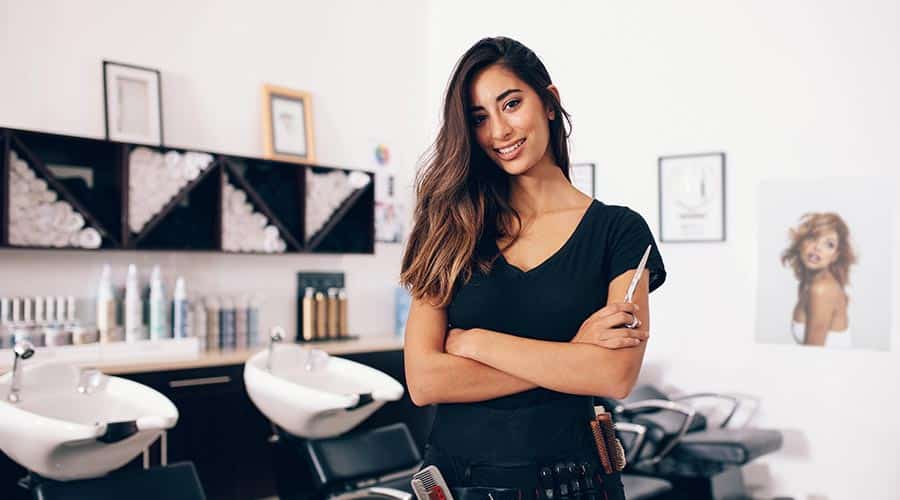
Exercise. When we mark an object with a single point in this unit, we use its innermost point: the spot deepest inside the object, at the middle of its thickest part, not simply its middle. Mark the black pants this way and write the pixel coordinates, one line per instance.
(464, 472)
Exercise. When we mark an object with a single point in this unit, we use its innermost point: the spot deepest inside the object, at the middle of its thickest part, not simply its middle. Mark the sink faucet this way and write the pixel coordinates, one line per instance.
(23, 350)
(276, 335)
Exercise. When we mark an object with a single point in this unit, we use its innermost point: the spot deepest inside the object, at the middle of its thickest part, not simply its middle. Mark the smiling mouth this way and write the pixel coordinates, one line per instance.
(813, 259)
(510, 149)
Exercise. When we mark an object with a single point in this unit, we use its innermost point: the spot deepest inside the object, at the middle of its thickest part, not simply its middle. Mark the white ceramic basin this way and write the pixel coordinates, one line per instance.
(325, 401)
(63, 434)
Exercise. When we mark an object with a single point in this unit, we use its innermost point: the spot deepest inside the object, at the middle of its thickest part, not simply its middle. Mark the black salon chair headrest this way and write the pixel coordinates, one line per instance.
(364, 454)
(172, 482)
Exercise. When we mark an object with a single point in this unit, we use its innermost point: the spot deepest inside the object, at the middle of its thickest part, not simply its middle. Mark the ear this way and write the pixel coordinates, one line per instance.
(551, 114)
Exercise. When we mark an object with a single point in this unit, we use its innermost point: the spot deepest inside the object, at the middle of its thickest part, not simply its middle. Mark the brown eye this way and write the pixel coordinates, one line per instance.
(477, 120)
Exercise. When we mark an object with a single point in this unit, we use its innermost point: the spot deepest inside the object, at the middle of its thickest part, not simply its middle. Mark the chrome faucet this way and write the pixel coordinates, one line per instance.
(23, 350)
(276, 335)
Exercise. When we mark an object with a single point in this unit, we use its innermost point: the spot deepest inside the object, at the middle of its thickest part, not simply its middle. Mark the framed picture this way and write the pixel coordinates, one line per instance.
(583, 178)
(692, 197)
(287, 125)
(133, 104)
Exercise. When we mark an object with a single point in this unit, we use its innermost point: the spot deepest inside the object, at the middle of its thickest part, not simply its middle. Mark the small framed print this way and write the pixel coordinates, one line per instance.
(132, 103)
(583, 176)
(692, 198)
(287, 125)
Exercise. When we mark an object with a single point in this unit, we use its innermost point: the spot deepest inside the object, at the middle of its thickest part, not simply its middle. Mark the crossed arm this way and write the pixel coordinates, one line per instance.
(482, 364)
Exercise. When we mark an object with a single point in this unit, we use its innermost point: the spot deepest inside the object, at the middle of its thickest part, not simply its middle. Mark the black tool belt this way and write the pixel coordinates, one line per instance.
(564, 480)
(488, 493)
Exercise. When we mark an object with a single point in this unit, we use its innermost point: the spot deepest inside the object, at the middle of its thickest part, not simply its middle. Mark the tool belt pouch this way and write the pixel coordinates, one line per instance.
(609, 448)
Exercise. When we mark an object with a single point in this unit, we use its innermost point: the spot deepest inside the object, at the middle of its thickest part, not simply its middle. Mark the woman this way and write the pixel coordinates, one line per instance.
(517, 280)
(820, 254)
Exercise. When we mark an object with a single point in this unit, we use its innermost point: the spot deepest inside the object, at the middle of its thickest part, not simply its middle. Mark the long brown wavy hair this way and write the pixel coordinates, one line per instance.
(462, 196)
(812, 225)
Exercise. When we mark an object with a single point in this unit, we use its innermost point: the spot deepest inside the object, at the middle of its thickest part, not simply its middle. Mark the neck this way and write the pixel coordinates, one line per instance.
(541, 189)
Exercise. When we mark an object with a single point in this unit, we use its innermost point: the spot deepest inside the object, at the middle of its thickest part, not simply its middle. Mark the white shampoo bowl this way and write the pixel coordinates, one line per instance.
(329, 400)
(62, 433)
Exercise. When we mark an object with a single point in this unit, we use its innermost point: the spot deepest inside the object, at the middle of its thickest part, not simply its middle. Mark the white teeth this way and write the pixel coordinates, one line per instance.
(512, 148)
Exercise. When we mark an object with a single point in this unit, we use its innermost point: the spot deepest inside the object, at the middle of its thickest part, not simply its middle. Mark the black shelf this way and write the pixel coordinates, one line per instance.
(192, 219)
(85, 177)
(351, 228)
(277, 186)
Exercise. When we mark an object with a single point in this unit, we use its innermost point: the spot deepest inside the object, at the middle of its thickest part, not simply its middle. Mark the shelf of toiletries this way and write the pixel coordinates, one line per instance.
(60, 191)
(131, 319)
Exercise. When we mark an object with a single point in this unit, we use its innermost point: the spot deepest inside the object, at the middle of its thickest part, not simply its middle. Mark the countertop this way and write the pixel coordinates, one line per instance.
(224, 358)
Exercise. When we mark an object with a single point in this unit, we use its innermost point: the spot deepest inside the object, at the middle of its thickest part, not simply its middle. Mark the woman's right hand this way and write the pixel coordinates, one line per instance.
(606, 327)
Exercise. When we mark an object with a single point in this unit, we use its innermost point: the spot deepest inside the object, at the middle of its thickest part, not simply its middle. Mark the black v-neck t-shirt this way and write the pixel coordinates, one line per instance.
(548, 302)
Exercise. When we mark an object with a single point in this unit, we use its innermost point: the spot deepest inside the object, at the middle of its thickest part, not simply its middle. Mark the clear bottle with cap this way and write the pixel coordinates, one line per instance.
(212, 324)
(343, 327)
(81, 333)
(241, 338)
(27, 329)
(55, 329)
(181, 327)
(6, 331)
(134, 327)
(158, 313)
(198, 324)
(253, 312)
(227, 337)
(106, 307)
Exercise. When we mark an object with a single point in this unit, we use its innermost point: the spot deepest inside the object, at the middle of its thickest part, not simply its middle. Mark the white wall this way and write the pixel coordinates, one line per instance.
(801, 89)
(360, 60)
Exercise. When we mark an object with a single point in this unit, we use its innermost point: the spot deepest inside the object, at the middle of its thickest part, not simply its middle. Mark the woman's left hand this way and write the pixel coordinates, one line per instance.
(457, 342)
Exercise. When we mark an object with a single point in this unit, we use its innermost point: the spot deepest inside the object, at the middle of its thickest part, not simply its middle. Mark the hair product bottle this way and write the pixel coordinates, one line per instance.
(134, 328)
(309, 314)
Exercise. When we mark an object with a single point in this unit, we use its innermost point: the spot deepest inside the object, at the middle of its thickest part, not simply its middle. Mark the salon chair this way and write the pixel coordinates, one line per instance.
(177, 481)
(670, 439)
(375, 464)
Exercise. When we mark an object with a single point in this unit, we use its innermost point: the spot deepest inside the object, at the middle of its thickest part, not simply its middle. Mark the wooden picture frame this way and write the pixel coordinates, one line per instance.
(287, 124)
(692, 198)
(132, 103)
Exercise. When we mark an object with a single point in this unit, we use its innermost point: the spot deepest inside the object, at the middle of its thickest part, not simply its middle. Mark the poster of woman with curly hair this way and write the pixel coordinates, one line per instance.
(825, 264)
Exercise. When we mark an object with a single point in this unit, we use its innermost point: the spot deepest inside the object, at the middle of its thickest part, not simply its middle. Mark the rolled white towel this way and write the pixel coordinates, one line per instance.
(358, 180)
(72, 222)
(90, 238)
(60, 239)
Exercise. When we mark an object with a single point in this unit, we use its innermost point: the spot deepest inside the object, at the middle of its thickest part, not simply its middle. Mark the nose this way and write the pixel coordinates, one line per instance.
(500, 129)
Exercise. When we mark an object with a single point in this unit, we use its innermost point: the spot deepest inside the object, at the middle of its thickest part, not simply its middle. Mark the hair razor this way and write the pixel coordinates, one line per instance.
(637, 275)
(429, 484)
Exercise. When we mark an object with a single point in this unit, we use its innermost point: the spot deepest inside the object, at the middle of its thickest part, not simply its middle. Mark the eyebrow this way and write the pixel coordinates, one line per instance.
(499, 98)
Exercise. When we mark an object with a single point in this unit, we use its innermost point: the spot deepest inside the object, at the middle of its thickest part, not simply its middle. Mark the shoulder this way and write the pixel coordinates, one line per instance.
(825, 288)
(617, 217)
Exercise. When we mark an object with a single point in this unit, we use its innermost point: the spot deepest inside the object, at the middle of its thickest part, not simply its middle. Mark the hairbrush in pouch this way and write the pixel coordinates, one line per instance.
(614, 450)
(429, 484)
(602, 449)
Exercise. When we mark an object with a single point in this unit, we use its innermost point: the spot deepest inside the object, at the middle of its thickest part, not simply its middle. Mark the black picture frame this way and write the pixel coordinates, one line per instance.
(108, 103)
(721, 205)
